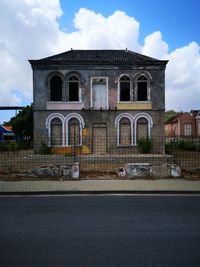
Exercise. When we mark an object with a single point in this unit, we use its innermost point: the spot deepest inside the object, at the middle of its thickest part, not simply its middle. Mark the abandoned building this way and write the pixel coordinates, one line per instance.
(99, 101)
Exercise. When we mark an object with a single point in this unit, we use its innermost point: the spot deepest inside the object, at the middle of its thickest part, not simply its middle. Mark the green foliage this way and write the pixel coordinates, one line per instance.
(169, 114)
(10, 146)
(68, 154)
(3, 146)
(45, 150)
(185, 145)
(144, 145)
(22, 123)
(169, 147)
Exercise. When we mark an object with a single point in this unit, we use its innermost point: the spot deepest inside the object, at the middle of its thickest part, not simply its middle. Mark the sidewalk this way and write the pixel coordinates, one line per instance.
(101, 186)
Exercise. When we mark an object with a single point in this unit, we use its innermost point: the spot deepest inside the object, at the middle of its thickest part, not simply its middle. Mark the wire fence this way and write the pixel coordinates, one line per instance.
(102, 156)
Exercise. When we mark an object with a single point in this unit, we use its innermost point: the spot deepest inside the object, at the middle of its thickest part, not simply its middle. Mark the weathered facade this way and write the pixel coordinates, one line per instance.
(101, 101)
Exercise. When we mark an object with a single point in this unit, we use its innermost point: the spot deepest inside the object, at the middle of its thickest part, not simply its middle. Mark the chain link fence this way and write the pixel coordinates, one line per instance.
(104, 156)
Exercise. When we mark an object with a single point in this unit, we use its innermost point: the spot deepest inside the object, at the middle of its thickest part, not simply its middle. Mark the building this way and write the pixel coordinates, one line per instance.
(99, 101)
(6, 133)
(196, 115)
(184, 124)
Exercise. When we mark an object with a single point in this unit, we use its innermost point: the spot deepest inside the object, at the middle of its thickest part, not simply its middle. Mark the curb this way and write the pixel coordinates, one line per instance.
(126, 192)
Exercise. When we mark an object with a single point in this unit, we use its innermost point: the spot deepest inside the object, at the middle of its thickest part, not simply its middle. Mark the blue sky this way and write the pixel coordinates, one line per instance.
(178, 20)
(162, 29)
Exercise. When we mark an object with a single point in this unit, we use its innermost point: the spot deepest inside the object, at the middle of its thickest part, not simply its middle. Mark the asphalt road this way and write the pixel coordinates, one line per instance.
(100, 231)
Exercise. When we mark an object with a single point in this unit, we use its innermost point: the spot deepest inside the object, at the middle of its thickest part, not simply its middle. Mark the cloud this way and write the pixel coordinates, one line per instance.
(94, 31)
(154, 46)
(31, 30)
(182, 82)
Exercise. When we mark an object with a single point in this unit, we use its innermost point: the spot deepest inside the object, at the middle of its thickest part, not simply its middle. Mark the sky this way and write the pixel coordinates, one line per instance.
(167, 29)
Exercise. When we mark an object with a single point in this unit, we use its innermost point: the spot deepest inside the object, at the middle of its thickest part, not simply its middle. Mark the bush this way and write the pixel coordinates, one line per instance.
(169, 148)
(186, 145)
(68, 154)
(182, 145)
(144, 145)
(45, 149)
(3, 146)
(8, 146)
(12, 146)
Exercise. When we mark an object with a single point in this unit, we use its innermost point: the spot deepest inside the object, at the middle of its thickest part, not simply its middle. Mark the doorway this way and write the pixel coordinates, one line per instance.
(99, 140)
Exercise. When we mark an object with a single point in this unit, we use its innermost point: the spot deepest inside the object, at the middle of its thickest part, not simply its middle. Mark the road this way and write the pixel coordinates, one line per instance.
(100, 231)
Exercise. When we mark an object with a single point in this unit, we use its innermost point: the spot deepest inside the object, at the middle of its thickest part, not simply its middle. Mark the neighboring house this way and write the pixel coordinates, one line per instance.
(6, 133)
(196, 115)
(181, 125)
(198, 124)
(101, 101)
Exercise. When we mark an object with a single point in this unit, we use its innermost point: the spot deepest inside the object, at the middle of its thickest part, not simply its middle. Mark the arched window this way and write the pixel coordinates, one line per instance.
(56, 132)
(124, 88)
(56, 88)
(74, 132)
(74, 126)
(73, 88)
(142, 88)
(142, 129)
(125, 129)
(124, 132)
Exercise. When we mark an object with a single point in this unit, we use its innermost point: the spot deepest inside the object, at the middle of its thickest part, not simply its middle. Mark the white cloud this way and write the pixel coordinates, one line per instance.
(31, 30)
(182, 82)
(96, 31)
(154, 46)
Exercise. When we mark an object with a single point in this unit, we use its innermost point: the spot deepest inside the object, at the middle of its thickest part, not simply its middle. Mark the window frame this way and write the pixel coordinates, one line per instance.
(142, 75)
(53, 75)
(77, 80)
(185, 129)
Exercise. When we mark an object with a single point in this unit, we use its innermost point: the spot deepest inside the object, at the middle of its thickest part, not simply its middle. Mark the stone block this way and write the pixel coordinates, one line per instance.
(175, 170)
(138, 170)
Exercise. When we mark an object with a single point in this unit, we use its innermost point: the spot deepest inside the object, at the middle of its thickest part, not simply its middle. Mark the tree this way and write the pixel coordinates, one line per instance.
(169, 114)
(22, 123)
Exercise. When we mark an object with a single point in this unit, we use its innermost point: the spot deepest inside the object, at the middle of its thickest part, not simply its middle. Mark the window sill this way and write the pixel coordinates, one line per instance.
(134, 105)
(124, 146)
(71, 105)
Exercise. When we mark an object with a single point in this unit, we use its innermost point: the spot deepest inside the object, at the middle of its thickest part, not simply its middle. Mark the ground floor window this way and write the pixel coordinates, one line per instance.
(131, 128)
(56, 132)
(187, 129)
(142, 129)
(198, 128)
(125, 132)
(74, 132)
(65, 131)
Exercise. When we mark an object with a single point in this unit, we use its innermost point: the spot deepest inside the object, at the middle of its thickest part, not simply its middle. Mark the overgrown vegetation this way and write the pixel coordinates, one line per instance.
(169, 114)
(14, 145)
(45, 149)
(186, 145)
(144, 145)
(22, 124)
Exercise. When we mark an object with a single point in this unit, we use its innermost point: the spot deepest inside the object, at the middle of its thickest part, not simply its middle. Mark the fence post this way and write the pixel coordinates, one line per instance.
(74, 137)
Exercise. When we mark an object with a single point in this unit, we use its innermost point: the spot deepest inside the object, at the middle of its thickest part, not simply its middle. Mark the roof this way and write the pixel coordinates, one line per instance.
(179, 116)
(173, 119)
(5, 129)
(98, 56)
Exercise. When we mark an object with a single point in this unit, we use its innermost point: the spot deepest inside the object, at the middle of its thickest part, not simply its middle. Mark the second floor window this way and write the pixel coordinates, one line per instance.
(142, 88)
(56, 88)
(73, 86)
(125, 86)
